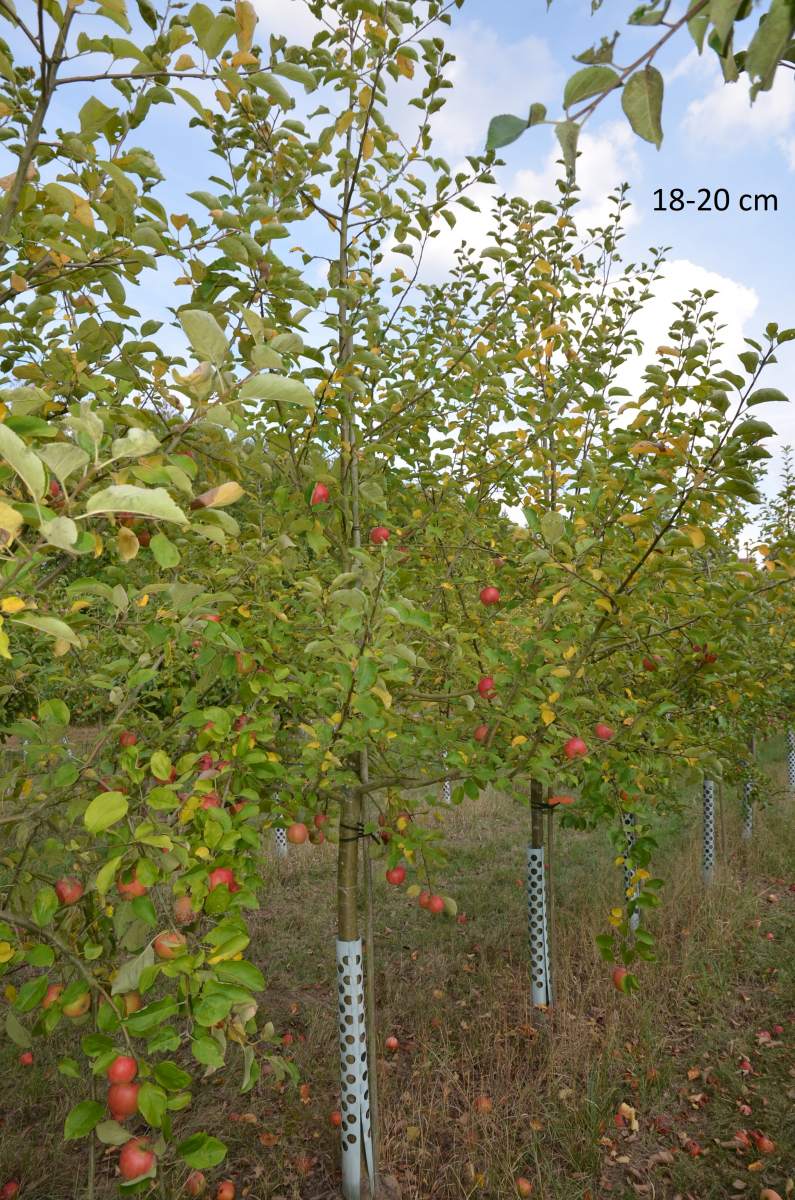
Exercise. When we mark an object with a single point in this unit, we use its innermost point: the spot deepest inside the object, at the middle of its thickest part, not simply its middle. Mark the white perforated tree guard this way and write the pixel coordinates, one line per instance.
(354, 1088)
(280, 841)
(540, 974)
(709, 830)
(791, 759)
(748, 810)
(447, 787)
(631, 891)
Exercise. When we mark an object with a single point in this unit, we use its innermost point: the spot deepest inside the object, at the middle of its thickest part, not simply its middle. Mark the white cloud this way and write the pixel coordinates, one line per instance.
(290, 18)
(491, 75)
(724, 119)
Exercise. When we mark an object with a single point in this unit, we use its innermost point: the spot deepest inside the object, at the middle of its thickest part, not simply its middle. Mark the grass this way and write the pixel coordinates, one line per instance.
(456, 996)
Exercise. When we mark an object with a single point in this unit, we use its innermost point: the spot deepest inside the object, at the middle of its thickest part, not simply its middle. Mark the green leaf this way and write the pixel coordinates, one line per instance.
(202, 1151)
(590, 81)
(111, 1133)
(45, 906)
(63, 459)
(277, 388)
(60, 532)
(160, 765)
(722, 14)
(136, 443)
(641, 101)
(31, 994)
(769, 44)
(172, 1077)
(297, 73)
(165, 552)
(129, 974)
(22, 461)
(537, 115)
(272, 89)
(50, 625)
(82, 1119)
(105, 810)
(146, 502)
(16, 1031)
(553, 526)
(207, 1051)
(69, 1067)
(106, 874)
(152, 1104)
(94, 116)
(505, 129)
(205, 335)
(568, 133)
(767, 396)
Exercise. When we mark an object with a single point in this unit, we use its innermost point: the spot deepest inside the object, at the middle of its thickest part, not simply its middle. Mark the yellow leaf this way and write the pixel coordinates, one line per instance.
(202, 852)
(246, 17)
(561, 672)
(543, 267)
(547, 715)
(556, 599)
(127, 544)
(383, 695)
(184, 63)
(551, 330)
(644, 448)
(142, 601)
(6, 952)
(604, 604)
(569, 654)
(519, 740)
(552, 697)
(4, 650)
(12, 604)
(405, 66)
(10, 993)
(696, 535)
(244, 610)
(60, 647)
(344, 121)
(17, 282)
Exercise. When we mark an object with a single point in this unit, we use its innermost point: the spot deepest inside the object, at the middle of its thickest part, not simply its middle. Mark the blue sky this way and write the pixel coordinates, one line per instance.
(511, 53)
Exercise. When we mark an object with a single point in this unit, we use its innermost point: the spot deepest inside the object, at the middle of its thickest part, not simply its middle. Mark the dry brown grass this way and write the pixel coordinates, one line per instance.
(457, 998)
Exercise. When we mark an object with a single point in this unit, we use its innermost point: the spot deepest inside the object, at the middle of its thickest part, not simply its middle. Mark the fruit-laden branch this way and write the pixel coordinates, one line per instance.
(25, 923)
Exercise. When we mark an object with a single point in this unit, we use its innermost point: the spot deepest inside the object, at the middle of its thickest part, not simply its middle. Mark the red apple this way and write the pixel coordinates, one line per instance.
(392, 1043)
(144, 537)
(489, 595)
(241, 722)
(619, 975)
(130, 889)
(226, 1190)
(123, 1100)
(320, 820)
(183, 911)
(575, 747)
(379, 535)
(210, 617)
(135, 1159)
(320, 494)
(297, 833)
(51, 995)
(396, 875)
(132, 1002)
(461, 919)
(122, 1070)
(650, 664)
(317, 837)
(424, 899)
(9, 1190)
(436, 905)
(221, 876)
(554, 800)
(78, 1007)
(210, 800)
(486, 687)
(481, 733)
(127, 738)
(483, 1104)
(604, 732)
(69, 890)
(26, 1059)
(523, 1186)
(335, 1118)
(196, 1184)
(169, 944)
